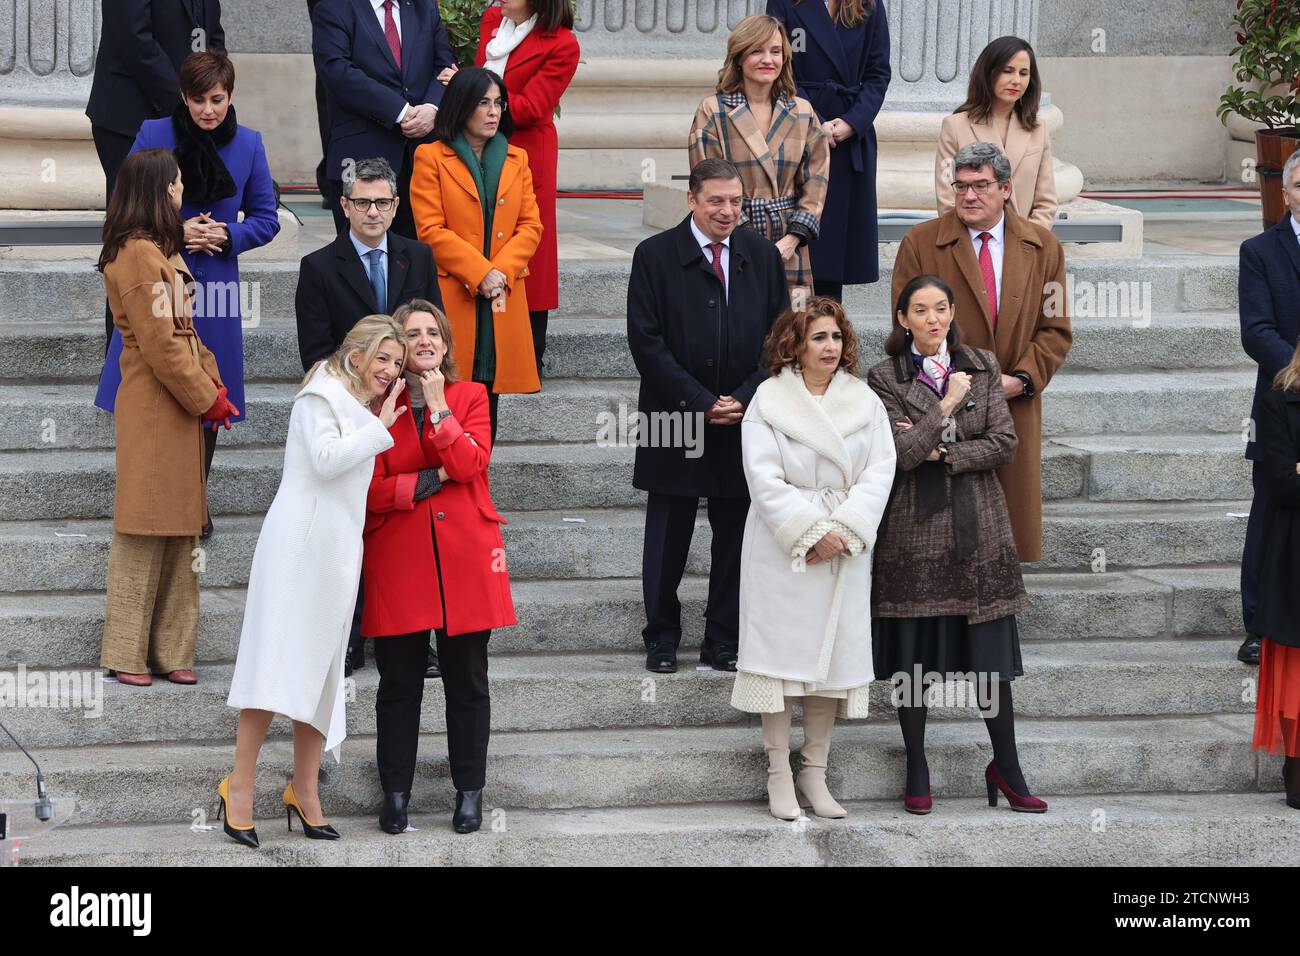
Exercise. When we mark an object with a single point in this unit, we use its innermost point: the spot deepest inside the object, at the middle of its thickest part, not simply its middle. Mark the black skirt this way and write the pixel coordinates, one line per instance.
(946, 646)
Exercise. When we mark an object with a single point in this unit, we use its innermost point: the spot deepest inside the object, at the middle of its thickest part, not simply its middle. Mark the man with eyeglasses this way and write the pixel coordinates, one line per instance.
(1008, 280)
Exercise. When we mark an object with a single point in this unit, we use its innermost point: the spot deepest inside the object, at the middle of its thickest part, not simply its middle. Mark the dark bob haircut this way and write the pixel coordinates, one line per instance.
(900, 339)
(469, 85)
(203, 71)
(979, 94)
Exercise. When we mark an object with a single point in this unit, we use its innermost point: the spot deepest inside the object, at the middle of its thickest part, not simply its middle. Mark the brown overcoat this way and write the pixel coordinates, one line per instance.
(167, 384)
(945, 545)
(1033, 334)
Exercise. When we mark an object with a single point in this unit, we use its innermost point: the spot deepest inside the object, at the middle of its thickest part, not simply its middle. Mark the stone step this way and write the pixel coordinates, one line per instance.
(596, 347)
(1078, 536)
(1184, 283)
(1173, 830)
(1149, 468)
(155, 783)
(534, 692)
(61, 630)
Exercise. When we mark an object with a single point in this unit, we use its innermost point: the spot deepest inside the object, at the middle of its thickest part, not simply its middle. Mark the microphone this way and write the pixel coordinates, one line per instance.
(44, 806)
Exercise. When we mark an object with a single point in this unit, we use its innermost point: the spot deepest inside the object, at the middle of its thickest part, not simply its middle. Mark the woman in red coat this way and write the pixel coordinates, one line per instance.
(530, 44)
(434, 560)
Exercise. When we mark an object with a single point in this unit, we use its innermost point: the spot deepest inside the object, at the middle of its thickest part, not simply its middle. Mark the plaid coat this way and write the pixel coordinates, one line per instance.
(945, 544)
(785, 174)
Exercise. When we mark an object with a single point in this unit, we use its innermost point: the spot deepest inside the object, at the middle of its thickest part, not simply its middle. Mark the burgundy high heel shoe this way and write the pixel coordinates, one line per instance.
(919, 805)
(1027, 804)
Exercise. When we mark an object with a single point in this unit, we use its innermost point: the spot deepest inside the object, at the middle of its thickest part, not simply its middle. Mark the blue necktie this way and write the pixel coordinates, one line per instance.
(378, 281)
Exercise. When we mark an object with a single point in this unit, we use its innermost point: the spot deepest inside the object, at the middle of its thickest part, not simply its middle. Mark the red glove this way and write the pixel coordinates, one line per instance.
(220, 412)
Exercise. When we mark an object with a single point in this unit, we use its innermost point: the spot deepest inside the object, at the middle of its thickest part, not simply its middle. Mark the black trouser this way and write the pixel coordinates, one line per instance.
(112, 148)
(493, 400)
(669, 527)
(537, 318)
(1251, 553)
(401, 661)
(357, 643)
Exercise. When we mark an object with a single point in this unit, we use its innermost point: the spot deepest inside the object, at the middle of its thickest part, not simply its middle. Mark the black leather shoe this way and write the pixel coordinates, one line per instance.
(720, 659)
(1248, 653)
(469, 811)
(432, 668)
(392, 818)
(356, 659)
(661, 659)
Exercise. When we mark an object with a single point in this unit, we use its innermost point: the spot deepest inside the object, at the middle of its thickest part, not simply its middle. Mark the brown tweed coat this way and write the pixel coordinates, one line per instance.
(785, 172)
(1033, 334)
(945, 545)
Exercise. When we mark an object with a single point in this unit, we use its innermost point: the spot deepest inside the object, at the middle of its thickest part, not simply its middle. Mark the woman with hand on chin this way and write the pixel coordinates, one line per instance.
(302, 588)
(434, 560)
(947, 584)
(819, 462)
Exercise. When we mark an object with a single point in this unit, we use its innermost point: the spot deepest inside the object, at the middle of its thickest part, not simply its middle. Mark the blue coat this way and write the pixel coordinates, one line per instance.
(217, 315)
(844, 73)
(1268, 301)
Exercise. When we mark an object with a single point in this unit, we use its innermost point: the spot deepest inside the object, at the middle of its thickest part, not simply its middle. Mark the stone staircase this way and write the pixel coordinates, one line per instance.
(1135, 717)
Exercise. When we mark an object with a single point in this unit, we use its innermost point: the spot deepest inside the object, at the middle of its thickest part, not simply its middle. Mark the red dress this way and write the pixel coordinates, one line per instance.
(537, 74)
(439, 562)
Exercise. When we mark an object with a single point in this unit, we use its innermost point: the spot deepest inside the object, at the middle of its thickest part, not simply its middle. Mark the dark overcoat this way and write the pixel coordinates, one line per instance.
(1277, 449)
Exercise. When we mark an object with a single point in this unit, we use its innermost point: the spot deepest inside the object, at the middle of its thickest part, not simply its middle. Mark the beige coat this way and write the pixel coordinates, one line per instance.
(1030, 337)
(1033, 188)
(167, 384)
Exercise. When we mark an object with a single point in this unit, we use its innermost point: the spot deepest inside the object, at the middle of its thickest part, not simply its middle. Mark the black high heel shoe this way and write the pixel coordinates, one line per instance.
(245, 835)
(392, 818)
(314, 831)
(469, 811)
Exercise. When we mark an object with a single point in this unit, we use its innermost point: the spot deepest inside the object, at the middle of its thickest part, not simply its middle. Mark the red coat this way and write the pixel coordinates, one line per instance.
(537, 74)
(409, 584)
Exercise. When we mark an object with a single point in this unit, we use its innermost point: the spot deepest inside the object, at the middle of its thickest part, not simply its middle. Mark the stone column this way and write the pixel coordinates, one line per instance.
(47, 58)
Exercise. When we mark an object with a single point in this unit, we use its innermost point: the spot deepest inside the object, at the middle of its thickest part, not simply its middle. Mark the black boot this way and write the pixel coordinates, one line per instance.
(469, 811)
(432, 668)
(1291, 780)
(392, 818)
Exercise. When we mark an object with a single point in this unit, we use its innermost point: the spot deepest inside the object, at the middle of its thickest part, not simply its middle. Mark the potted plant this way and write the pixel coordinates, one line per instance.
(1268, 58)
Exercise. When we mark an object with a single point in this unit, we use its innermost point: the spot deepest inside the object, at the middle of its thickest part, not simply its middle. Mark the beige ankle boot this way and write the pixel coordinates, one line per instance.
(781, 799)
(818, 722)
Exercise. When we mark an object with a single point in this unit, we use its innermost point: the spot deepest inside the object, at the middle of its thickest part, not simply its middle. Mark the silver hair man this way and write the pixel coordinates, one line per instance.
(976, 156)
(369, 171)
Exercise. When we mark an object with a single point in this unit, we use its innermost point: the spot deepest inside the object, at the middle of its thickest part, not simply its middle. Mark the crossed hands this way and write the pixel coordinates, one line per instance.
(725, 411)
(837, 131)
(831, 546)
(418, 122)
(205, 234)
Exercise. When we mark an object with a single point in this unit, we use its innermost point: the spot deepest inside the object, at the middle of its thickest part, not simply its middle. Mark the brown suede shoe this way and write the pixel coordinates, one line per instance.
(135, 680)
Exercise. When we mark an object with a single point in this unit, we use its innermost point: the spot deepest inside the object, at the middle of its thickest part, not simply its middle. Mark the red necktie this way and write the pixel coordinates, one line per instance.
(716, 249)
(990, 280)
(390, 33)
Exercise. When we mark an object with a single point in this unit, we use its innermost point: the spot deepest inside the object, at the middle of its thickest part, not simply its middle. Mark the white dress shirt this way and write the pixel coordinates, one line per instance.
(1295, 227)
(996, 248)
(705, 242)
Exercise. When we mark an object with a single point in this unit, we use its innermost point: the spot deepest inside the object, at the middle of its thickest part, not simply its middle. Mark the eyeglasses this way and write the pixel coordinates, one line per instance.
(486, 103)
(383, 205)
(981, 186)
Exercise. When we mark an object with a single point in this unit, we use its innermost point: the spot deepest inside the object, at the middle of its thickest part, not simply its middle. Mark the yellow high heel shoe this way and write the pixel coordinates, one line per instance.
(314, 831)
(245, 835)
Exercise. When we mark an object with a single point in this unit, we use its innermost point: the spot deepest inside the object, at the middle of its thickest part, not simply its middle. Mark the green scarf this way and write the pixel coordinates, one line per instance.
(487, 178)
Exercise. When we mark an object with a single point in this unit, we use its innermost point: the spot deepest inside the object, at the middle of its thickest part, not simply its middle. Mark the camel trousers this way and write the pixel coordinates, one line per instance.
(152, 623)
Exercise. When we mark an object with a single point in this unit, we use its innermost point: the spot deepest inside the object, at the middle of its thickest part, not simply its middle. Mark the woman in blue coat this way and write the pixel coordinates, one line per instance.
(842, 68)
(224, 170)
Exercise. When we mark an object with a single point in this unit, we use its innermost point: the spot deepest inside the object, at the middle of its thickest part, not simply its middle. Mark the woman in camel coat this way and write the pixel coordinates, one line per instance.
(480, 277)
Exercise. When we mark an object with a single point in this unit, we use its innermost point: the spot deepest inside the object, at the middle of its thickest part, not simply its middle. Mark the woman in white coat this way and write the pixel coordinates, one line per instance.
(302, 589)
(819, 460)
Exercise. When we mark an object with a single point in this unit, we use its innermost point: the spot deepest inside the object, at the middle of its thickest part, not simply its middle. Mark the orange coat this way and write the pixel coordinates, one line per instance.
(449, 219)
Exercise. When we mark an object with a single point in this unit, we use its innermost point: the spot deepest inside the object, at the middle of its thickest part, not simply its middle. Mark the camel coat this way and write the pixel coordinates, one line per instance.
(1031, 336)
(1033, 187)
(448, 217)
(809, 464)
(167, 384)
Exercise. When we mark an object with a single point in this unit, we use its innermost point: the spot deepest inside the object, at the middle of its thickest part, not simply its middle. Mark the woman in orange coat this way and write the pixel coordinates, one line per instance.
(481, 248)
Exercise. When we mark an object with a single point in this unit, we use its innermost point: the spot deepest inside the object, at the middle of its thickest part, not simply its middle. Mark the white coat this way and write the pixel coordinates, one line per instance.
(302, 588)
(806, 462)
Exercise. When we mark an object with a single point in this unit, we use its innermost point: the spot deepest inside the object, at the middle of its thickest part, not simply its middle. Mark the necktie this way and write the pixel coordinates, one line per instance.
(990, 280)
(378, 281)
(716, 249)
(390, 33)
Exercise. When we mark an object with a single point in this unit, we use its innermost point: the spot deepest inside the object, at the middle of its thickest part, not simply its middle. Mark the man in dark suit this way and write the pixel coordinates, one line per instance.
(1268, 301)
(379, 61)
(344, 281)
(141, 47)
(700, 301)
(366, 270)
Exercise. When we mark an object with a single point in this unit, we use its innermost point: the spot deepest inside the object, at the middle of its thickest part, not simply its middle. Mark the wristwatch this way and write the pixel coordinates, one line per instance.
(943, 454)
(1029, 385)
(439, 416)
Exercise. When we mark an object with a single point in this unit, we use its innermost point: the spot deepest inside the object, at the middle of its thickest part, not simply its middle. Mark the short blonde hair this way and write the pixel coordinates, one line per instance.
(363, 343)
(750, 34)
